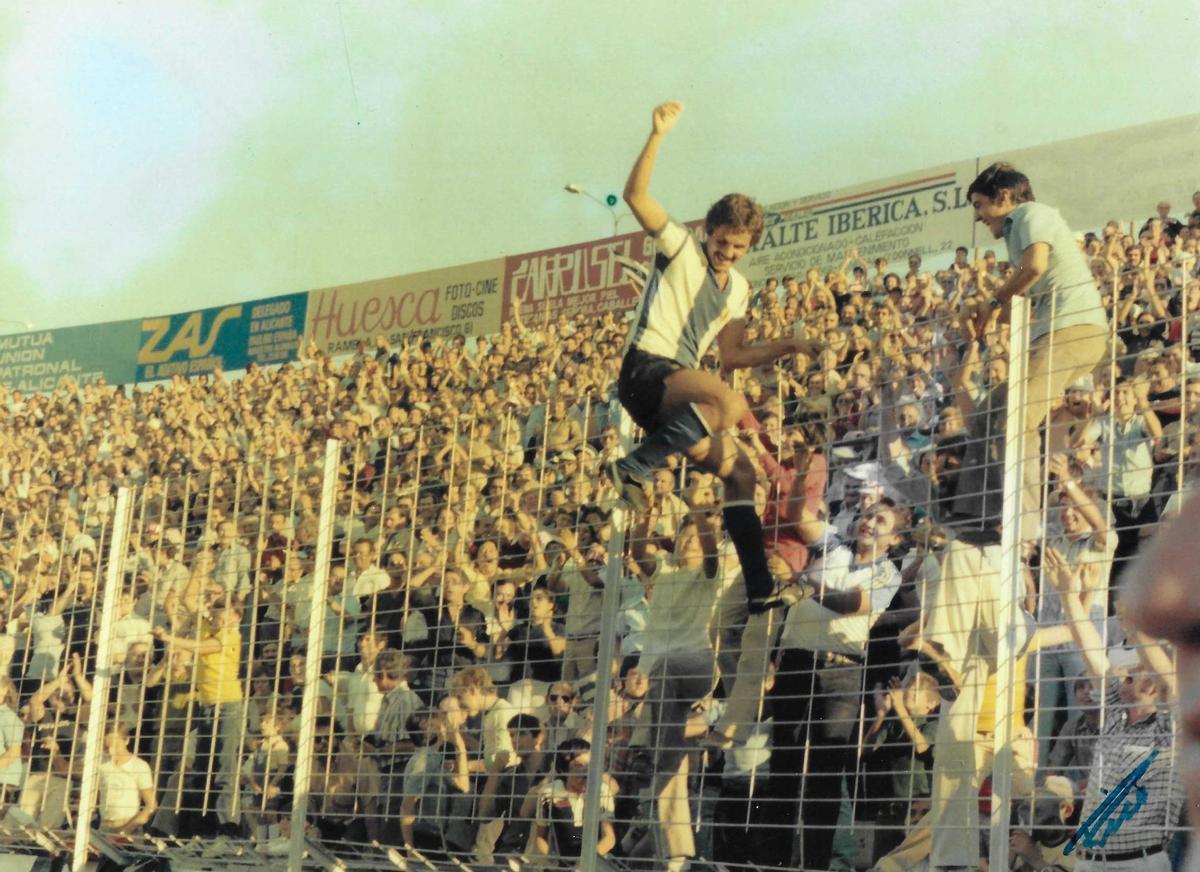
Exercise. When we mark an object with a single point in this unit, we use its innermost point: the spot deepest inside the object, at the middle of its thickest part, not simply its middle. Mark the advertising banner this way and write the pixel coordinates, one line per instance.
(584, 279)
(924, 212)
(443, 302)
(229, 337)
(275, 329)
(38, 360)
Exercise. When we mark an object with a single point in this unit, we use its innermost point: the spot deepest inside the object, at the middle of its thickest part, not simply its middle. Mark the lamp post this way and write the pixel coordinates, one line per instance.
(24, 325)
(608, 203)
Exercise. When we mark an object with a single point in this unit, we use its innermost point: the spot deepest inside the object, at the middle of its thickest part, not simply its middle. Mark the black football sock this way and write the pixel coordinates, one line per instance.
(745, 529)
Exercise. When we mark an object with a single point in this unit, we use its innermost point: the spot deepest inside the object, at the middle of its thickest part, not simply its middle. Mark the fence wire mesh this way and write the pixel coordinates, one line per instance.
(422, 690)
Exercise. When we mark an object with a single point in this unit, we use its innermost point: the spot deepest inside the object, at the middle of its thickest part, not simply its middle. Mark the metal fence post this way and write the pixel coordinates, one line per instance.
(610, 604)
(312, 664)
(98, 715)
(1011, 585)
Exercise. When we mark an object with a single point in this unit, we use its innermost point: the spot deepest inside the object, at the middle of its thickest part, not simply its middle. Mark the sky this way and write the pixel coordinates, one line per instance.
(157, 157)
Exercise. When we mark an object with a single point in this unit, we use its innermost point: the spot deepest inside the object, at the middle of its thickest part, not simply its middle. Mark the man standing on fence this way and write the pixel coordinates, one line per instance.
(1068, 326)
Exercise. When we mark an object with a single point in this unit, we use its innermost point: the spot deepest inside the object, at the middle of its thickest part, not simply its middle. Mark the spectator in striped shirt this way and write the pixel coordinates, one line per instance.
(1139, 728)
(1163, 599)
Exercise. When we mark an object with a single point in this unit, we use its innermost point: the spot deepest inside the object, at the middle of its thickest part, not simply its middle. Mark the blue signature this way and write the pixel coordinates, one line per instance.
(1087, 833)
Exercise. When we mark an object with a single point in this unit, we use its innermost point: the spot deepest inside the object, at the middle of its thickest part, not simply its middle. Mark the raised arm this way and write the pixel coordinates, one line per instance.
(1141, 390)
(811, 522)
(459, 774)
(843, 270)
(1155, 659)
(962, 377)
(896, 693)
(700, 509)
(1064, 578)
(570, 540)
(913, 638)
(891, 445)
(854, 601)
(81, 681)
(647, 210)
(1156, 304)
(37, 702)
(67, 595)
(812, 478)
(642, 534)
(1060, 466)
(210, 645)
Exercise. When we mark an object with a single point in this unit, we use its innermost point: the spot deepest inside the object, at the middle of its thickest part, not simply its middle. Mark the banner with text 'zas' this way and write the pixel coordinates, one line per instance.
(224, 337)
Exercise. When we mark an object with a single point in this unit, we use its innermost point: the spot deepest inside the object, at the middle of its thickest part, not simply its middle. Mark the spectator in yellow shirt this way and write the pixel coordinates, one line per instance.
(220, 711)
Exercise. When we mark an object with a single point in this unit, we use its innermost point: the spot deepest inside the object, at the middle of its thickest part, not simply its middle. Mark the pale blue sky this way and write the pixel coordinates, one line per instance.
(157, 157)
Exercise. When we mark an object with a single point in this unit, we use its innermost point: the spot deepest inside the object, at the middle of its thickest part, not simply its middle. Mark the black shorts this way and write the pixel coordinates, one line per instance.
(641, 385)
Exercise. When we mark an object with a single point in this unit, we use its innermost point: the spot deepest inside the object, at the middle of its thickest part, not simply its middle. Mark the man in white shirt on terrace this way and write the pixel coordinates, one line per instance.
(477, 694)
(367, 578)
(232, 570)
(127, 800)
(363, 696)
(820, 671)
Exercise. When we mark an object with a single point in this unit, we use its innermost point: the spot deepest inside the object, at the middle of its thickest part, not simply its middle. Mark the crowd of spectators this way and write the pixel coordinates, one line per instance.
(458, 667)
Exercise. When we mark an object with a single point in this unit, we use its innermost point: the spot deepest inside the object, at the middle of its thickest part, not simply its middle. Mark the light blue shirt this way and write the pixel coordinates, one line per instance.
(11, 732)
(1066, 295)
(1132, 470)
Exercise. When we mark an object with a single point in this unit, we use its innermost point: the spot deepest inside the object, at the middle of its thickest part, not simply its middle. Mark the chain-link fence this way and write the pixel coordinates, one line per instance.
(444, 642)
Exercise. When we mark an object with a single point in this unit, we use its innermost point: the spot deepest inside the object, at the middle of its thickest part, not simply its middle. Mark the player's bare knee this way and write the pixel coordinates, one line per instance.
(700, 454)
(733, 409)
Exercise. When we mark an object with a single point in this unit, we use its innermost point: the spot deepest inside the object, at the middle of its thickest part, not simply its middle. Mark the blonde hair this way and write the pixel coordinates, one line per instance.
(472, 676)
(921, 680)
